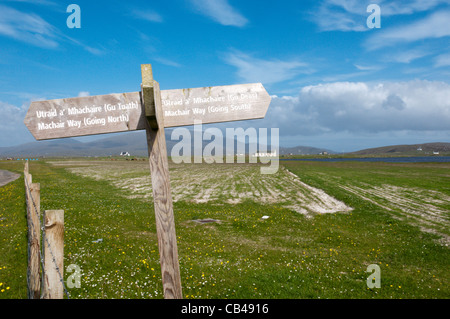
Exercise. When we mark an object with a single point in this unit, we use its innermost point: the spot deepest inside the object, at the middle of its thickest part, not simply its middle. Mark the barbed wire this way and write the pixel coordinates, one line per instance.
(44, 237)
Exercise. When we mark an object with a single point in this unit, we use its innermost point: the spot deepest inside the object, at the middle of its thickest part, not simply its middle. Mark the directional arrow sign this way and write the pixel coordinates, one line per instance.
(214, 104)
(124, 112)
(85, 116)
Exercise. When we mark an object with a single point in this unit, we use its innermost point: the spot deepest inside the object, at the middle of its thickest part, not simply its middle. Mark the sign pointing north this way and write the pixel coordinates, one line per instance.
(124, 111)
(85, 116)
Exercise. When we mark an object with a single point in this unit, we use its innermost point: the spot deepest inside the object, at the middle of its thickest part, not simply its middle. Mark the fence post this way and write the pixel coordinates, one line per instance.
(34, 235)
(53, 243)
(32, 193)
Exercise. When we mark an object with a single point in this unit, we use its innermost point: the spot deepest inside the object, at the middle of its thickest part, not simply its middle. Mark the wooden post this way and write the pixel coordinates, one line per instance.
(162, 197)
(34, 235)
(32, 193)
(27, 175)
(53, 255)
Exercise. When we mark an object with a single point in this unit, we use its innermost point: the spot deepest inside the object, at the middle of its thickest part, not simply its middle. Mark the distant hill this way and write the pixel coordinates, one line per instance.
(135, 144)
(304, 150)
(413, 149)
(131, 142)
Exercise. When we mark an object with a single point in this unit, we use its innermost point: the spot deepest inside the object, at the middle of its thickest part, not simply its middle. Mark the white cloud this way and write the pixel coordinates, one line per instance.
(407, 56)
(350, 15)
(38, 2)
(442, 60)
(147, 15)
(367, 67)
(389, 7)
(32, 29)
(220, 11)
(167, 62)
(340, 16)
(83, 94)
(12, 114)
(409, 7)
(94, 51)
(90, 49)
(362, 107)
(27, 27)
(430, 27)
(11, 123)
(251, 69)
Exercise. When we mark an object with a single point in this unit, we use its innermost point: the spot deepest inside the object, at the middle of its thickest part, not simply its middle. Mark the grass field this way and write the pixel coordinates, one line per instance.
(327, 223)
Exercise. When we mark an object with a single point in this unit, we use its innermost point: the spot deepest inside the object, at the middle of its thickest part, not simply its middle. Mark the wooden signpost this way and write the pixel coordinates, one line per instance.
(152, 110)
(124, 112)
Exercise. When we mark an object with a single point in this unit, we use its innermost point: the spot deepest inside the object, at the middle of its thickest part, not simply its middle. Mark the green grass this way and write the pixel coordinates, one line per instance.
(13, 237)
(288, 255)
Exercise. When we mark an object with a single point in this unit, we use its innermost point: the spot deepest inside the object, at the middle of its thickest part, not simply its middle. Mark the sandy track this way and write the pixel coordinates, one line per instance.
(216, 183)
(7, 177)
(420, 207)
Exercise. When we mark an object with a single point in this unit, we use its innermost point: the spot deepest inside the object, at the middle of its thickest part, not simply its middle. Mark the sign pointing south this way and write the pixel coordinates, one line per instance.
(214, 104)
(124, 111)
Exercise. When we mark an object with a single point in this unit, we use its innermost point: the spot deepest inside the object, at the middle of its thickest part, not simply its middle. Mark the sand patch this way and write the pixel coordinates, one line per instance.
(217, 183)
(421, 207)
(7, 177)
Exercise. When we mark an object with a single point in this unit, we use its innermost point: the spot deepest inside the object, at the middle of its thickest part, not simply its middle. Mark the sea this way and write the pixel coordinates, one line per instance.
(411, 159)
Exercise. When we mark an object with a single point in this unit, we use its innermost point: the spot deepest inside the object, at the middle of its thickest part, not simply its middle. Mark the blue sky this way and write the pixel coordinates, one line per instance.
(334, 82)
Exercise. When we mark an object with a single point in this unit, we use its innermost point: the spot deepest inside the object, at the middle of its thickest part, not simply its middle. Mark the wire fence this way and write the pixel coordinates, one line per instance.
(39, 250)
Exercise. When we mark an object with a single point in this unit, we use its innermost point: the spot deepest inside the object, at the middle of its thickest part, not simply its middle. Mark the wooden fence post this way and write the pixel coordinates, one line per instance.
(34, 235)
(32, 194)
(53, 255)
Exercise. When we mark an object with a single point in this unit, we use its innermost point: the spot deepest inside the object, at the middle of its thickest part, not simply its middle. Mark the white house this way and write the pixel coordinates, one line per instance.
(265, 154)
